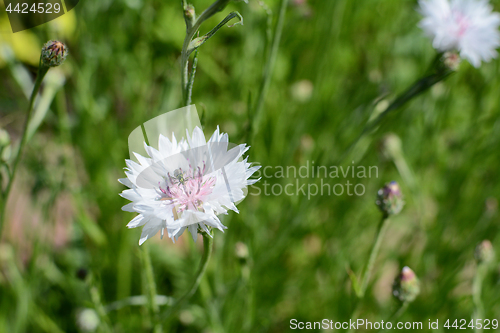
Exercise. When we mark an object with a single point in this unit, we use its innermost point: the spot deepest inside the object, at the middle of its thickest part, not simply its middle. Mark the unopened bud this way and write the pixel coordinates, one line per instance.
(54, 53)
(390, 199)
(87, 320)
(302, 90)
(406, 286)
(451, 60)
(241, 251)
(484, 252)
(186, 317)
(189, 12)
(391, 146)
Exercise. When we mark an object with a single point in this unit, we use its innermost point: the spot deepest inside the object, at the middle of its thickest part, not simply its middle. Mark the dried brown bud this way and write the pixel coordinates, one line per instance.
(54, 53)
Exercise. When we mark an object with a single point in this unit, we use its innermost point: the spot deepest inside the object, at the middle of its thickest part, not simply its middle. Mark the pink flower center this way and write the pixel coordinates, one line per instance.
(187, 190)
(462, 23)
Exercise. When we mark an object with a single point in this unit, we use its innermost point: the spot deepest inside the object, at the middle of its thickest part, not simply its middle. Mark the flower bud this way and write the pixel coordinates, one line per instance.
(390, 199)
(451, 60)
(186, 317)
(406, 286)
(54, 53)
(189, 15)
(189, 12)
(241, 251)
(391, 146)
(87, 320)
(302, 91)
(484, 252)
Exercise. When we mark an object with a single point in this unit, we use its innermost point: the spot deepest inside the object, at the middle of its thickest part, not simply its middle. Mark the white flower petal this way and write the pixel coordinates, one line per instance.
(467, 26)
(175, 187)
(149, 230)
(126, 182)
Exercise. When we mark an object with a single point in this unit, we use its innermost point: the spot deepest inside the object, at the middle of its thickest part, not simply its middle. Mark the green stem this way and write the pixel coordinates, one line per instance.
(477, 287)
(373, 255)
(268, 69)
(95, 296)
(208, 242)
(369, 267)
(191, 79)
(400, 311)
(397, 314)
(151, 289)
(416, 89)
(190, 32)
(139, 300)
(42, 70)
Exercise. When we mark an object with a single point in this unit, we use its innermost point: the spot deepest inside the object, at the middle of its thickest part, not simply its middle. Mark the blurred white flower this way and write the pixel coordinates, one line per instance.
(87, 320)
(467, 26)
(185, 185)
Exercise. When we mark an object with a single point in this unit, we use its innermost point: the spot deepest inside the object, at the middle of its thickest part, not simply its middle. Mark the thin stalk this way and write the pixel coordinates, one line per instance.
(416, 89)
(400, 311)
(397, 314)
(144, 134)
(95, 296)
(369, 267)
(139, 300)
(42, 70)
(154, 309)
(477, 287)
(190, 32)
(269, 66)
(208, 242)
(373, 255)
(191, 79)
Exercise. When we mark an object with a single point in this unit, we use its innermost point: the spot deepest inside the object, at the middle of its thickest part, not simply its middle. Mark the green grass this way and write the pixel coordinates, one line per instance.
(65, 214)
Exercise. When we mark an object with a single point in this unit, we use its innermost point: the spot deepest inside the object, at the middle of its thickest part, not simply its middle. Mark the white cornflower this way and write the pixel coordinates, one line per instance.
(467, 26)
(186, 184)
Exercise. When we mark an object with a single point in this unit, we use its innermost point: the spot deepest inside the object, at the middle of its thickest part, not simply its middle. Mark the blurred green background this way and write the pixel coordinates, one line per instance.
(65, 246)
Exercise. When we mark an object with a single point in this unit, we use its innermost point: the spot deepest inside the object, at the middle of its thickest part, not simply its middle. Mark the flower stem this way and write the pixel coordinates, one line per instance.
(373, 255)
(416, 89)
(397, 314)
(400, 311)
(208, 242)
(139, 300)
(151, 290)
(268, 69)
(42, 70)
(191, 79)
(190, 32)
(477, 287)
(99, 307)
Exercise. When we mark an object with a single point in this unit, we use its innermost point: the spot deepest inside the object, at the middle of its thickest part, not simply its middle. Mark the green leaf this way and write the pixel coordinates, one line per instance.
(198, 41)
(355, 282)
